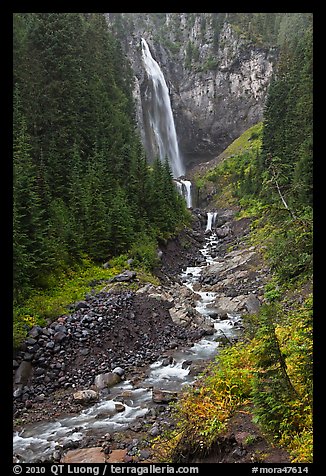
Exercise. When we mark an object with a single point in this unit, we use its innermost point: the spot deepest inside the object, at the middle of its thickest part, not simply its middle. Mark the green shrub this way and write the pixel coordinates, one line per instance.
(144, 252)
(71, 286)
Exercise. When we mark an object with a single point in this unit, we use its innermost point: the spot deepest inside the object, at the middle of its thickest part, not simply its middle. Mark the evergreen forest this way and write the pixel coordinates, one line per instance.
(83, 189)
(86, 202)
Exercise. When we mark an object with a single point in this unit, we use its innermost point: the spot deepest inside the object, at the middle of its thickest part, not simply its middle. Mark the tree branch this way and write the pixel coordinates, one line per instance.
(283, 200)
(286, 206)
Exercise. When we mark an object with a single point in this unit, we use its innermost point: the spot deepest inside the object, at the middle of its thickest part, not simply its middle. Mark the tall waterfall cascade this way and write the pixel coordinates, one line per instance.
(211, 218)
(160, 113)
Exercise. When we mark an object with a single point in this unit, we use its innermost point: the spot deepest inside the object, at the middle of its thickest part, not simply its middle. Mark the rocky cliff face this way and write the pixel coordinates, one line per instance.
(217, 80)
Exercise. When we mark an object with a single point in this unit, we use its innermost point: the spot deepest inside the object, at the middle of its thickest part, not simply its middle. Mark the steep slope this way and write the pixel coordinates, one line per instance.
(268, 374)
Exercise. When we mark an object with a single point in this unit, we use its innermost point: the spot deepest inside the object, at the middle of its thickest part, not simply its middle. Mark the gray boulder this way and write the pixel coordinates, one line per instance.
(126, 276)
(222, 232)
(85, 396)
(35, 332)
(119, 371)
(163, 396)
(107, 380)
(81, 305)
(23, 373)
(252, 304)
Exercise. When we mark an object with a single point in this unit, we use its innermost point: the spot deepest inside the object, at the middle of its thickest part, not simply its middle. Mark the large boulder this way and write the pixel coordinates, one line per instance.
(81, 305)
(163, 396)
(119, 371)
(35, 332)
(180, 317)
(107, 380)
(85, 455)
(160, 295)
(226, 305)
(85, 396)
(23, 374)
(126, 276)
(252, 304)
(222, 232)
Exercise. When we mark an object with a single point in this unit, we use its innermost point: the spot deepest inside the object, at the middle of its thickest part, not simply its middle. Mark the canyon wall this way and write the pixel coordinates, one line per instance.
(217, 78)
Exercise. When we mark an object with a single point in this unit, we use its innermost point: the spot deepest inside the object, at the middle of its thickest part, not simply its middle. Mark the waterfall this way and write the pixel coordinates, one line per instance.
(187, 185)
(184, 188)
(160, 114)
(211, 217)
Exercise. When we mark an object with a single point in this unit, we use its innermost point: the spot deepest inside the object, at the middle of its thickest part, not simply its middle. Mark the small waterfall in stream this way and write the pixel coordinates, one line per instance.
(211, 218)
(161, 119)
(184, 188)
(187, 194)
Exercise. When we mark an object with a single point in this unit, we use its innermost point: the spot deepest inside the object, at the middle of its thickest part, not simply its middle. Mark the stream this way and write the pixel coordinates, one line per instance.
(37, 441)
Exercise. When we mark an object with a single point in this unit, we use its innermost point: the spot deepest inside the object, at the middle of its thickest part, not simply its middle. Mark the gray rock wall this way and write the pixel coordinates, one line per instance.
(218, 81)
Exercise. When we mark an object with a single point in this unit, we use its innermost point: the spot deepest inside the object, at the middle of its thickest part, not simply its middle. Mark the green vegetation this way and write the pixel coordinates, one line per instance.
(234, 174)
(173, 46)
(282, 387)
(202, 411)
(249, 141)
(269, 371)
(83, 189)
(73, 285)
(84, 194)
(264, 29)
(267, 174)
(209, 64)
(192, 54)
(62, 290)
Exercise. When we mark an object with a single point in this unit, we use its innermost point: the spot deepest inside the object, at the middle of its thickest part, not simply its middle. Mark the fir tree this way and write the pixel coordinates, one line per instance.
(121, 224)
(28, 222)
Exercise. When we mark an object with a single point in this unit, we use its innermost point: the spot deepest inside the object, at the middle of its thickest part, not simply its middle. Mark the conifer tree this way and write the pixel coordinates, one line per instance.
(28, 214)
(138, 187)
(82, 185)
(287, 133)
(272, 388)
(121, 224)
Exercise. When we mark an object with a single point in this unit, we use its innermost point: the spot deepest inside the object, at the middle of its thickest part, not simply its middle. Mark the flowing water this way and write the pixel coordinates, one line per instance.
(160, 113)
(211, 218)
(184, 187)
(162, 133)
(187, 186)
(38, 441)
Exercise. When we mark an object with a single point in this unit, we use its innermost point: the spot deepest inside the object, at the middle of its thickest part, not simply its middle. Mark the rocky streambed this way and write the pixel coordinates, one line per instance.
(101, 378)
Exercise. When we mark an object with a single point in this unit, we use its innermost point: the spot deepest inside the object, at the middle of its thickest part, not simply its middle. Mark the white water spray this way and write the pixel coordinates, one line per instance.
(211, 218)
(160, 114)
(187, 185)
